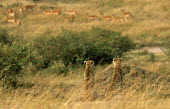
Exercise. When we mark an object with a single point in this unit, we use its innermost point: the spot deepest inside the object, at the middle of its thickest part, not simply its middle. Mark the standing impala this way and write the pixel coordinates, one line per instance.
(126, 14)
(118, 19)
(107, 18)
(48, 12)
(56, 12)
(71, 13)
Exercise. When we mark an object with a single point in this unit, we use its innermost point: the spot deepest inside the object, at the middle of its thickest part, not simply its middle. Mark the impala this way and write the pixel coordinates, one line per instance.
(56, 12)
(93, 17)
(69, 19)
(71, 13)
(30, 7)
(50, 12)
(114, 19)
(106, 17)
(126, 14)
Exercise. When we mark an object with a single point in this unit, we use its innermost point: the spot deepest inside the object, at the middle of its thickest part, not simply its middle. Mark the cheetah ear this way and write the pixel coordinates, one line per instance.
(85, 62)
(92, 62)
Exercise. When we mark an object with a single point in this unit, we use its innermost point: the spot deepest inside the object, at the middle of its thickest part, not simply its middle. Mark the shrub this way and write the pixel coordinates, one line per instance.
(13, 58)
(57, 68)
(4, 37)
(73, 48)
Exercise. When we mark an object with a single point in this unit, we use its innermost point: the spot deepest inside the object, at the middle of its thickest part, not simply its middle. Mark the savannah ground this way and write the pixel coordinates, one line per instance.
(149, 29)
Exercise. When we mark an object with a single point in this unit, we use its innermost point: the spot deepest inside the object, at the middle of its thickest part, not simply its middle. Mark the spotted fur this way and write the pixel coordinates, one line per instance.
(89, 81)
(116, 80)
(116, 70)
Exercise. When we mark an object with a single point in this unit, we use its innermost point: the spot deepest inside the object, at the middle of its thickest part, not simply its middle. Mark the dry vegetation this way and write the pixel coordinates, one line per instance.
(51, 91)
(146, 83)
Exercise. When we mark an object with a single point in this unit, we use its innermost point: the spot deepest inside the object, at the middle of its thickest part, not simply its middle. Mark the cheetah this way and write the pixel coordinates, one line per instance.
(116, 71)
(117, 78)
(89, 81)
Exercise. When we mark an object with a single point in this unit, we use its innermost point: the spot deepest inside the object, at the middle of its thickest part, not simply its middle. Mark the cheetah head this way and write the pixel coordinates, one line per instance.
(89, 63)
(117, 61)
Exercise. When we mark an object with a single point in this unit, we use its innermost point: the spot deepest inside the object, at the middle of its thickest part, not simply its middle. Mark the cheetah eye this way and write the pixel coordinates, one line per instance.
(92, 62)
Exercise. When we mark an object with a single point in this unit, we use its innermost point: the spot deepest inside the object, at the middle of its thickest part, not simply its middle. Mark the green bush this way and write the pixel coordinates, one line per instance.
(73, 48)
(13, 58)
(4, 37)
(57, 68)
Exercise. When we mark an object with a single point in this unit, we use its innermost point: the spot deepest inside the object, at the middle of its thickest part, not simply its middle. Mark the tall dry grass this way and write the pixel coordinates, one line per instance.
(50, 91)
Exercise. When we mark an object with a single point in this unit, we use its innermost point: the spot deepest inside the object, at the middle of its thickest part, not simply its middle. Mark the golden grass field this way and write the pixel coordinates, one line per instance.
(150, 26)
(49, 91)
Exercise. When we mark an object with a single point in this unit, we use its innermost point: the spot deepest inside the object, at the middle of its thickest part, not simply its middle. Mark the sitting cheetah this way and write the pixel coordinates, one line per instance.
(116, 80)
(89, 81)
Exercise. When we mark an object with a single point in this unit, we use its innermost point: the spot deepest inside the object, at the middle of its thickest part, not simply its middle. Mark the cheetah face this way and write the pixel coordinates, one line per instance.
(89, 63)
(117, 61)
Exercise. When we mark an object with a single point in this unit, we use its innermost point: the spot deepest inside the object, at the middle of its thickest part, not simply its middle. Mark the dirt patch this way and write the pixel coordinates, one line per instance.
(154, 49)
